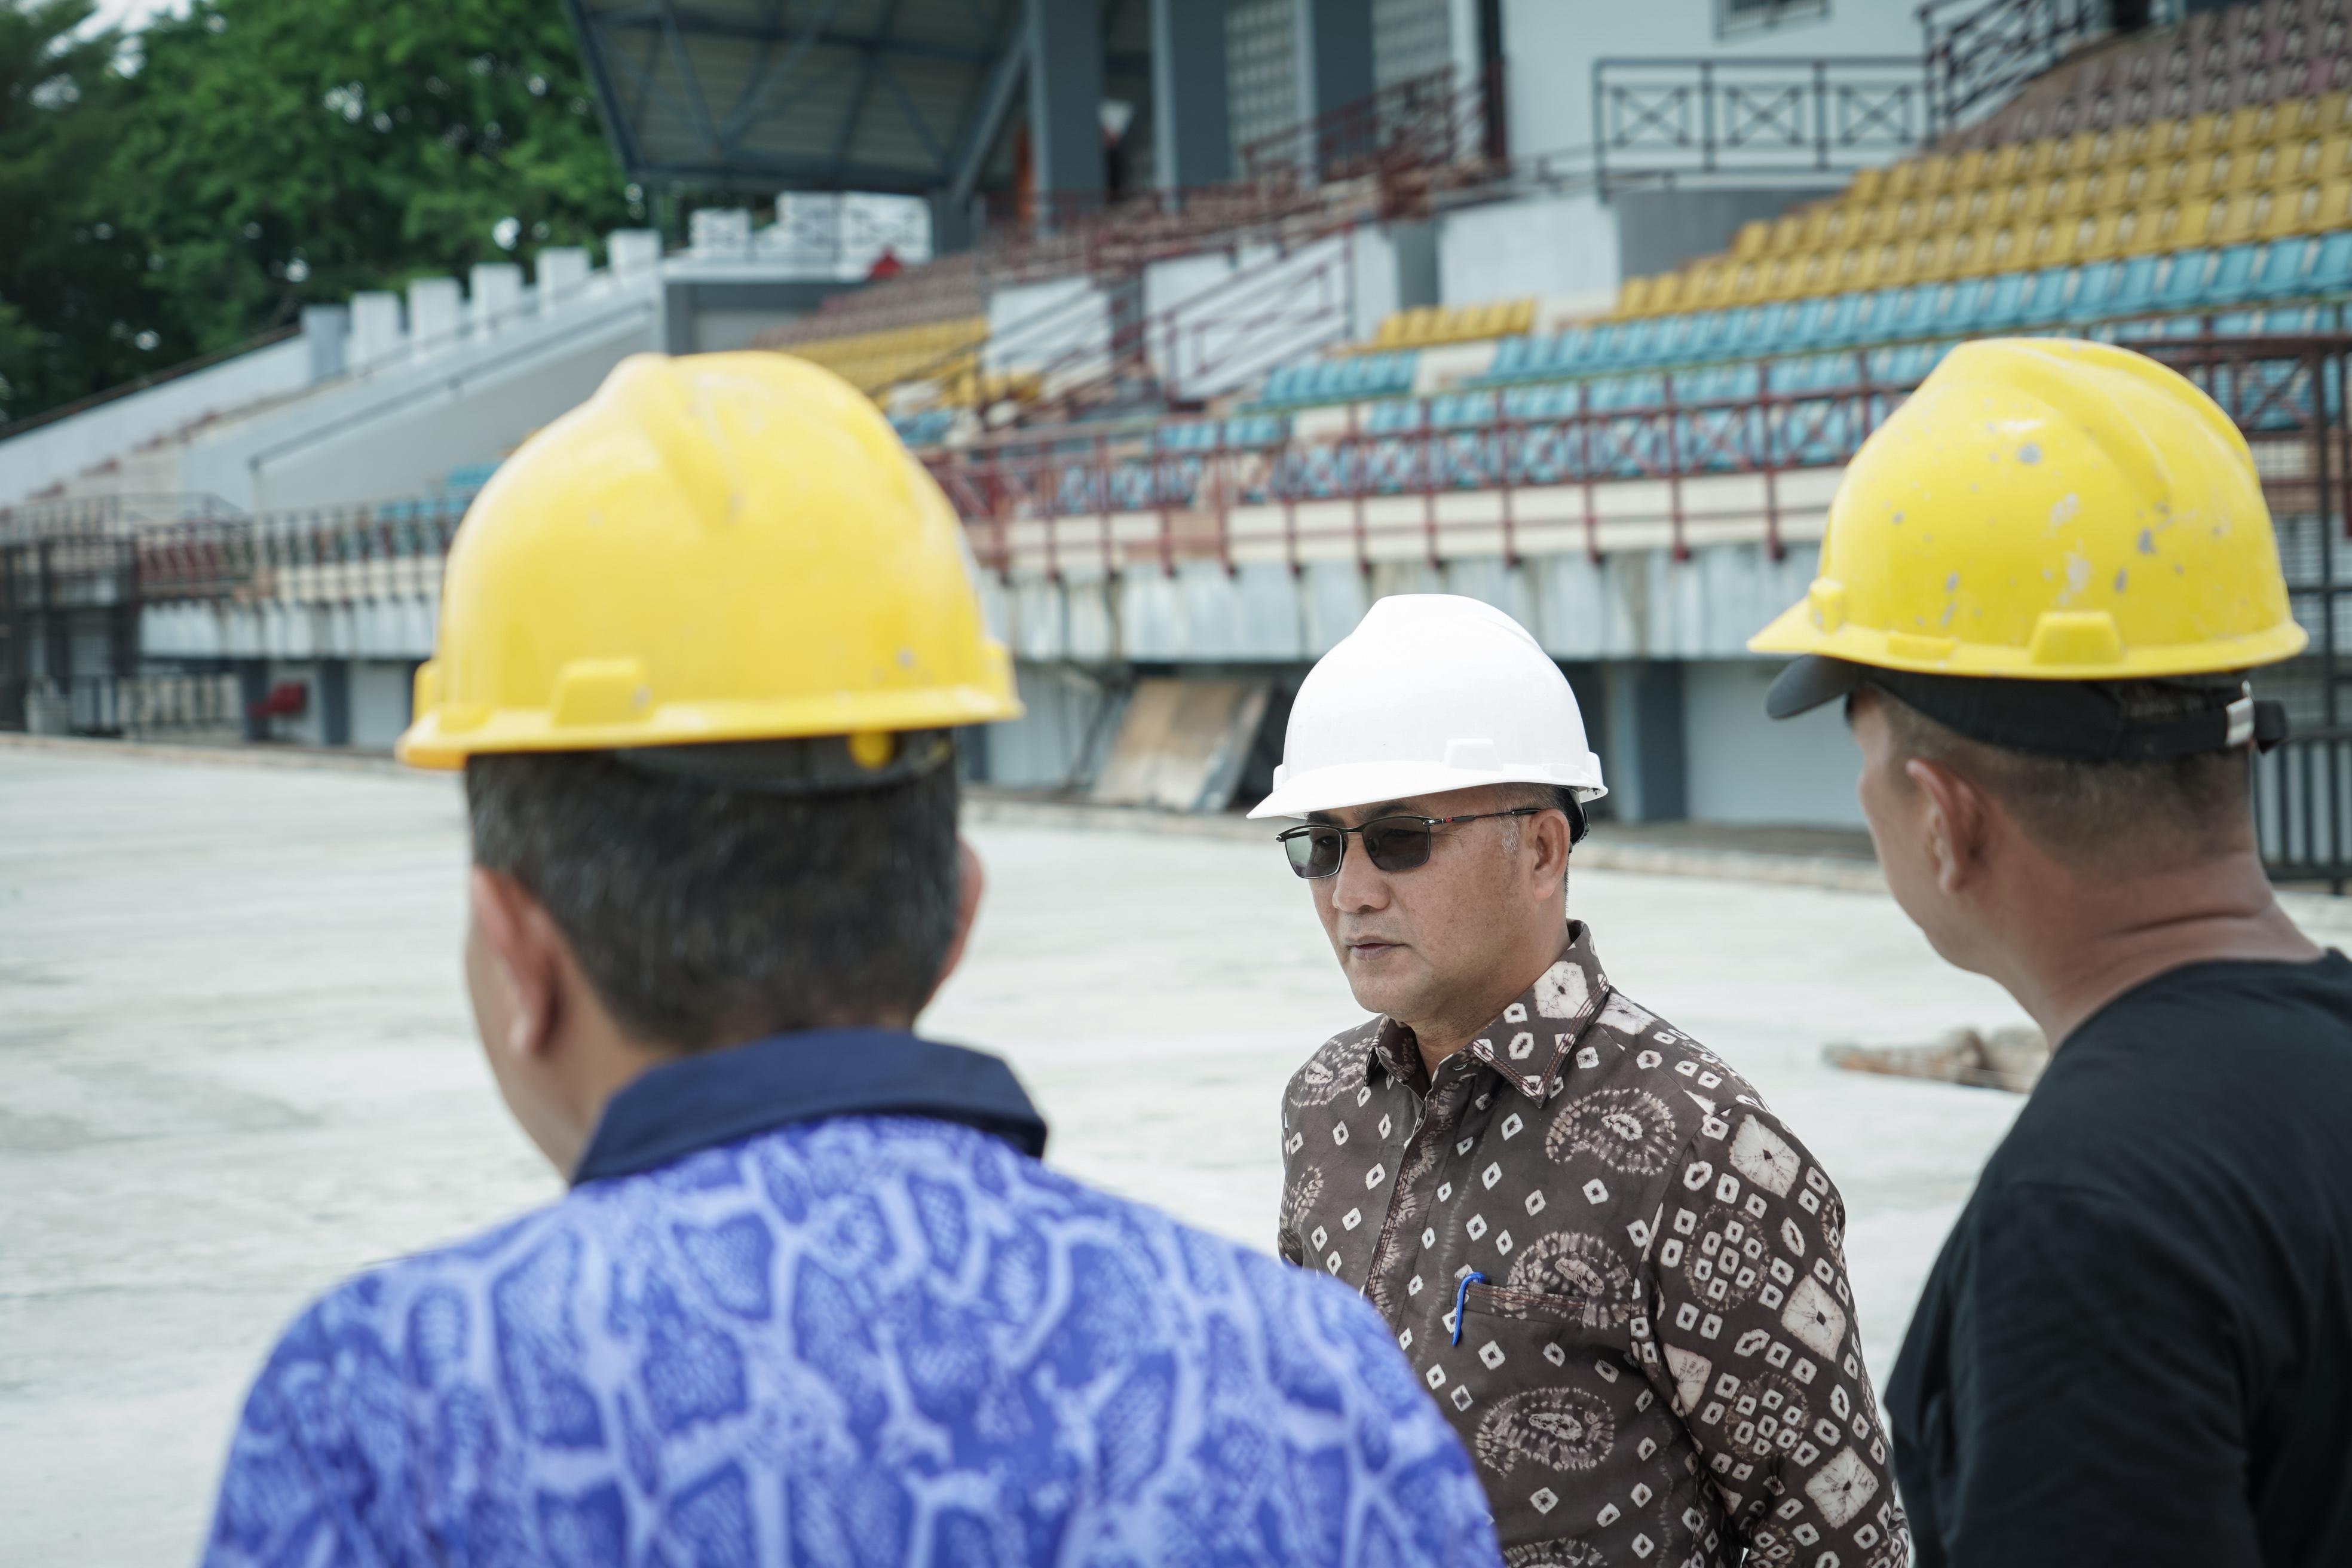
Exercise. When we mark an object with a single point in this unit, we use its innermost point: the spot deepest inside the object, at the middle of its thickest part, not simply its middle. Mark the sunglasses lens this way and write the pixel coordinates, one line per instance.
(1314, 851)
(1398, 844)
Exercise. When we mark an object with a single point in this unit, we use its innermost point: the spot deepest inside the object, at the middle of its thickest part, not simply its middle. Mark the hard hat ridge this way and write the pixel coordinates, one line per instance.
(720, 548)
(1430, 692)
(2046, 510)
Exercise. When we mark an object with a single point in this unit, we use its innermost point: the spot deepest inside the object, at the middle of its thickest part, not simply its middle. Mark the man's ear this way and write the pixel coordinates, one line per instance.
(1549, 835)
(971, 882)
(1957, 820)
(525, 956)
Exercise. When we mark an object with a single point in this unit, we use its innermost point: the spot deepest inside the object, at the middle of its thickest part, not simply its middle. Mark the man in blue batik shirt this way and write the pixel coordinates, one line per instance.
(811, 1297)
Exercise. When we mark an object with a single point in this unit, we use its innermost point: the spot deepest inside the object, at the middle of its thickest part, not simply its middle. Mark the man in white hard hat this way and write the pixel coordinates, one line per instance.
(1617, 1272)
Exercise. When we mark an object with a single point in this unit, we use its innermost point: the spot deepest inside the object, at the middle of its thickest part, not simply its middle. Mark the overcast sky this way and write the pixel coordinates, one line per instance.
(131, 14)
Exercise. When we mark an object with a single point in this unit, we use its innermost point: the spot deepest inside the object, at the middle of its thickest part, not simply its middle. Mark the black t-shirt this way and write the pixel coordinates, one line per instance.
(2137, 1345)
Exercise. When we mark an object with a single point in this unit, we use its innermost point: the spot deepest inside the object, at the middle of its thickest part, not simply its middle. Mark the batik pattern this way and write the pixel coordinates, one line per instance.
(1657, 1362)
(854, 1343)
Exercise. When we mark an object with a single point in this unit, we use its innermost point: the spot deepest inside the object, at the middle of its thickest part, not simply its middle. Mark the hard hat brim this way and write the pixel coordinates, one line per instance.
(1811, 681)
(1346, 785)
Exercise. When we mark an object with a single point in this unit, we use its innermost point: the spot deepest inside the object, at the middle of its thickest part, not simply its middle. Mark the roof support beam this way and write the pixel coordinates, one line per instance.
(1190, 125)
(1065, 66)
(995, 108)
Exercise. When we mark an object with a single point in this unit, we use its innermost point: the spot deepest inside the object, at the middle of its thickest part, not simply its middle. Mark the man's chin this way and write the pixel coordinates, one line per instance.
(1379, 984)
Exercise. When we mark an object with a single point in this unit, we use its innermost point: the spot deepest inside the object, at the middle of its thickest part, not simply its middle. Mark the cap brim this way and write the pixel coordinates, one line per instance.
(1811, 681)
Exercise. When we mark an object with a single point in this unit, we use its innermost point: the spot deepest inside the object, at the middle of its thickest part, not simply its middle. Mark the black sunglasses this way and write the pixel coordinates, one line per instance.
(1394, 843)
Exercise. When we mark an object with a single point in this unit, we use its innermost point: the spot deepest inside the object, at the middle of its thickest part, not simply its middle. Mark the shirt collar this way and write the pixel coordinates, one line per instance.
(710, 1098)
(1529, 1043)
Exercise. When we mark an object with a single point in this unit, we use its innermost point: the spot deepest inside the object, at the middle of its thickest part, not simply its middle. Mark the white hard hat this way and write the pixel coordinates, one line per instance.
(1430, 692)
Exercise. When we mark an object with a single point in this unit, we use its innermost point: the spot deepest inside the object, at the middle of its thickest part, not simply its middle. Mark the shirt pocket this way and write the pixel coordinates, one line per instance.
(1585, 1317)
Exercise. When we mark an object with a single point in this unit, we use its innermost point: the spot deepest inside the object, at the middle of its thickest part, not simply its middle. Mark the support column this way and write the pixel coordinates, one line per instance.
(1066, 62)
(335, 701)
(1646, 763)
(1189, 124)
(1334, 69)
(252, 686)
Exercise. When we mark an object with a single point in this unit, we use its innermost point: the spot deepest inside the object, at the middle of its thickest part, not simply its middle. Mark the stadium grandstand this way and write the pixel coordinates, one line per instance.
(1216, 321)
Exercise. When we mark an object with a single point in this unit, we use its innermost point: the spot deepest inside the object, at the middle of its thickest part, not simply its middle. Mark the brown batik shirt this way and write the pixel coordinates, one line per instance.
(1656, 1360)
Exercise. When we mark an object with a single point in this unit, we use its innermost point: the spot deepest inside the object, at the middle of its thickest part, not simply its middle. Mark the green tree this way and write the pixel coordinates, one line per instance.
(73, 300)
(277, 153)
(231, 165)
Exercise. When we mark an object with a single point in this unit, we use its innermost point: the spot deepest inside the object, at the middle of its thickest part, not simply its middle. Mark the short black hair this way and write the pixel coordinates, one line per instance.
(705, 916)
(2106, 813)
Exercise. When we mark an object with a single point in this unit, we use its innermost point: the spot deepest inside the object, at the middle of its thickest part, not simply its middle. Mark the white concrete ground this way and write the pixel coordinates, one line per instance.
(235, 1065)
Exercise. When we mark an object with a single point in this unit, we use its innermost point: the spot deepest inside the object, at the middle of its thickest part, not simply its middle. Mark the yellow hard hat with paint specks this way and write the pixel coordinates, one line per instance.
(2048, 509)
(715, 547)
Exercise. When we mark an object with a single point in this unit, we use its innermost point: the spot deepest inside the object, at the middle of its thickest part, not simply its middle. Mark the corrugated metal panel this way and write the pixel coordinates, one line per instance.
(1410, 38)
(1261, 67)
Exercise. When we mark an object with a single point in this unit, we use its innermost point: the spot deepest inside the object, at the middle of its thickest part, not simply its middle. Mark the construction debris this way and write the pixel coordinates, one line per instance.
(2010, 1058)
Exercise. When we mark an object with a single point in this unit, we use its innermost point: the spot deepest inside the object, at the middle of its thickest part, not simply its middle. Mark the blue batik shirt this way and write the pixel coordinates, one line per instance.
(813, 1301)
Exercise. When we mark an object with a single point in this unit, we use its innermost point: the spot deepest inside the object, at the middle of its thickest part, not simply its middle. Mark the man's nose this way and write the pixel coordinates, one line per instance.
(1360, 884)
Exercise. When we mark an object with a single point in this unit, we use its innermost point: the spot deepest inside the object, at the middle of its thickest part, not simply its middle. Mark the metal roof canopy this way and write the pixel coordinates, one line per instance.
(906, 97)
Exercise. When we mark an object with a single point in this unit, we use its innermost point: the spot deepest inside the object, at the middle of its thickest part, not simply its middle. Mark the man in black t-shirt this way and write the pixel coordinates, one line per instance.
(2042, 582)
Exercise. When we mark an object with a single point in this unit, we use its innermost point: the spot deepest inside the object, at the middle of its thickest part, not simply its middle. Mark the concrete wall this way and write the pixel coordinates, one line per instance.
(1220, 321)
(1744, 767)
(1066, 717)
(1541, 245)
(1549, 47)
(405, 440)
(54, 453)
(381, 691)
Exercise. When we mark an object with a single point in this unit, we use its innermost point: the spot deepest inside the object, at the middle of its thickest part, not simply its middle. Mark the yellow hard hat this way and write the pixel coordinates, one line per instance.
(720, 548)
(2043, 509)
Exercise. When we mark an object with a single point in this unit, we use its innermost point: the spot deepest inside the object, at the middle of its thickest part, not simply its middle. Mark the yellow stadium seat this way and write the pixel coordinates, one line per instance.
(2334, 113)
(1944, 213)
(2104, 241)
(1902, 180)
(1749, 280)
(1942, 258)
(1867, 185)
(2008, 163)
(1898, 263)
(2041, 199)
(2002, 250)
(2200, 222)
(1814, 234)
(2144, 143)
(2084, 189)
(1667, 292)
(2246, 128)
(2292, 207)
(2234, 220)
(2048, 157)
(2146, 236)
(2130, 185)
(2199, 176)
(2316, 158)
(1788, 235)
(1861, 223)
(2204, 135)
(1754, 239)
(1784, 275)
(1521, 317)
(2081, 150)
(2333, 209)
(1819, 274)
(2247, 170)
(1706, 286)
(1969, 169)
(2054, 243)
(1633, 296)
(1935, 175)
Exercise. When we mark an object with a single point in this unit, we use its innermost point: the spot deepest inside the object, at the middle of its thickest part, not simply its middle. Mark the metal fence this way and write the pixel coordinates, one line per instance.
(1763, 115)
